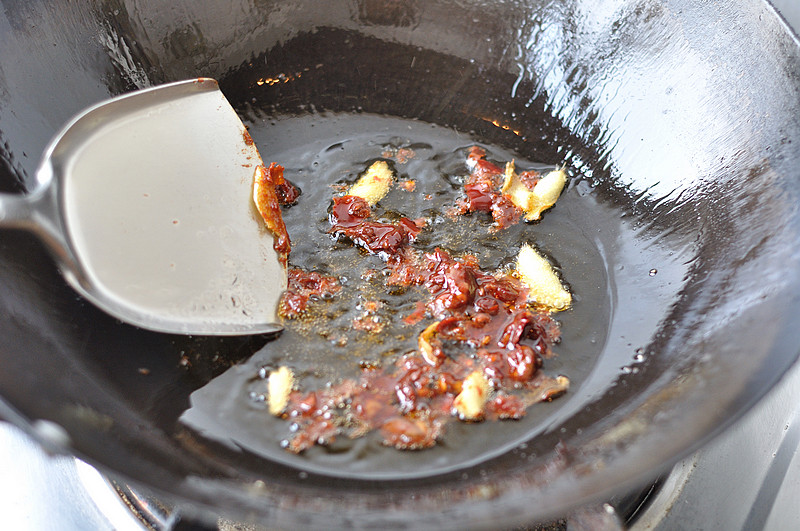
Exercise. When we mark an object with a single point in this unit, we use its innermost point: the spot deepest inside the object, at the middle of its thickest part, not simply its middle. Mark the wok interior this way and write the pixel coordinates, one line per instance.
(659, 110)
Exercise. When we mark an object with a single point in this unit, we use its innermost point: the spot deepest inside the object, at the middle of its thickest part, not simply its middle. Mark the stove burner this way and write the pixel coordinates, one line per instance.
(620, 513)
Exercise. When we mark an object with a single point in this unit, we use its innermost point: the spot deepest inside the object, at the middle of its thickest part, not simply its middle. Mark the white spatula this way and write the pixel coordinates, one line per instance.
(146, 202)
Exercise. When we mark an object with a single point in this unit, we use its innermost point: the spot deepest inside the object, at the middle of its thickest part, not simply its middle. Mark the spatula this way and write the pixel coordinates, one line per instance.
(146, 202)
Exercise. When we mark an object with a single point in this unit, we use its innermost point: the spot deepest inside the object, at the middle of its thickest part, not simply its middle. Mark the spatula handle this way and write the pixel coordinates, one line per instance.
(15, 211)
(37, 212)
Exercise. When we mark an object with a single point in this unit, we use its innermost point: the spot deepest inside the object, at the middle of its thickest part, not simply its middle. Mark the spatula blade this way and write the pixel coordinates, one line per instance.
(156, 198)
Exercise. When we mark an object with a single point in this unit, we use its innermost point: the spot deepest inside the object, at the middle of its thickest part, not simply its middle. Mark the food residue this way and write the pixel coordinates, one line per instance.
(401, 155)
(409, 185)
(302, 286)
(506, 194)
(481, 335)
(270, 191)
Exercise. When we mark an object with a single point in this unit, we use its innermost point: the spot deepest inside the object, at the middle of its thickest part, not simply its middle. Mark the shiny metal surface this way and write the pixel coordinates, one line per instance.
(41, 491)
(747, 478)
(790, 11)
(123, 199)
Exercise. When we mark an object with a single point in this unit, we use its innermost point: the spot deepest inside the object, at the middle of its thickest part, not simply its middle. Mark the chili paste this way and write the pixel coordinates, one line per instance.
(473, 324)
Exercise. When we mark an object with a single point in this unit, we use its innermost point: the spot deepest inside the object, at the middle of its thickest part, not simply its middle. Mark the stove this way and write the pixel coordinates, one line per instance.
(747, 478)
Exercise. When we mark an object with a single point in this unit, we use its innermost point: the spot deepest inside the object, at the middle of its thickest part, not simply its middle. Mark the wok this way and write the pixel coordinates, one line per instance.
(679, 122)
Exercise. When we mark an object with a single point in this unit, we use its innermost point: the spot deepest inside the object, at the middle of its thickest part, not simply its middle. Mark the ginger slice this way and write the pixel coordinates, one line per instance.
(554, 389)
(473, 396)
(425, 346)
(279, 385)
(539, 277)
(533, 202)
(374, 184)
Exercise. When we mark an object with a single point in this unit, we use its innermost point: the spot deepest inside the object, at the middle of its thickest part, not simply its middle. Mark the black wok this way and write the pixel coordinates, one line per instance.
(679, 122)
